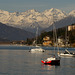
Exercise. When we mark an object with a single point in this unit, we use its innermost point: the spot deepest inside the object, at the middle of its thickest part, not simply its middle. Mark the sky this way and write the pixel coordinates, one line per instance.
(39, 5)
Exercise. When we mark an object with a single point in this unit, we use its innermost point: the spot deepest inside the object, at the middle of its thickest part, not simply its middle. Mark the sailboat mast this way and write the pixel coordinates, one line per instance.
(36, 35)
(66, 38)
(55, 34)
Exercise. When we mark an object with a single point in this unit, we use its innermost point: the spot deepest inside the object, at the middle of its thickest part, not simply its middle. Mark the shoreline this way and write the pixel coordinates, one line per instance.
(29, 45)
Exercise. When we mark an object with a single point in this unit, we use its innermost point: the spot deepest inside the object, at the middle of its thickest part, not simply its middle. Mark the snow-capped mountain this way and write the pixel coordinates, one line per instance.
(31, 19)
(54, 14)
(62, 23)
(72, 13)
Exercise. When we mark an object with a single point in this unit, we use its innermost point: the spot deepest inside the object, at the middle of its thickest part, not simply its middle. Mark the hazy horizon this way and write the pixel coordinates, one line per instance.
(39, 5)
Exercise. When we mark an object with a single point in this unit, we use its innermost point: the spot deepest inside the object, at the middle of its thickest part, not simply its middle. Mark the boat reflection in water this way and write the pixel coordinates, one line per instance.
(50, 68)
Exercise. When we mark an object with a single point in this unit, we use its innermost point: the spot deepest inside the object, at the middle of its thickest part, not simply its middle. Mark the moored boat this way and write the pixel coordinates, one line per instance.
(37, 49)
(52, 61)
(67, 53)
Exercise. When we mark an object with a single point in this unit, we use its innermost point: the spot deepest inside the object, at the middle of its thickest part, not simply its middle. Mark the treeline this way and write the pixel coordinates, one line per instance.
(61, 32)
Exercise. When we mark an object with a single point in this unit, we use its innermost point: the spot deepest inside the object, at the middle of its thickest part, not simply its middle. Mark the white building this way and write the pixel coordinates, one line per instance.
(71, 27)
(61, 42)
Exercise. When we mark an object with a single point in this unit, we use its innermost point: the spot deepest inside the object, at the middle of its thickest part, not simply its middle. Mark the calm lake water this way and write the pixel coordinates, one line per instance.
(17, 60)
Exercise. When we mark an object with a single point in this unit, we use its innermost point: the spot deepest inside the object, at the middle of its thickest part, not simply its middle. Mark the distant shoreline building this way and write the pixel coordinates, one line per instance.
(47, 41)
(61, 42)
(71, 27)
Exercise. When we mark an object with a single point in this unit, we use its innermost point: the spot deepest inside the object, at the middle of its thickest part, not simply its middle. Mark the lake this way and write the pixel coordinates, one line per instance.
(17, 60)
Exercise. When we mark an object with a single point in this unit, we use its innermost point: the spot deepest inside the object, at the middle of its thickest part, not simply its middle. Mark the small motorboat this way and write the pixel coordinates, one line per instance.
(37, 49)
(52, 61)
(67, 53)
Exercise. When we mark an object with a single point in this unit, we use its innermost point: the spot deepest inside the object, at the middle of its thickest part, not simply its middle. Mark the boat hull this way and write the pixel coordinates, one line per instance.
(67, 55)
(37, 50)
(52, 62)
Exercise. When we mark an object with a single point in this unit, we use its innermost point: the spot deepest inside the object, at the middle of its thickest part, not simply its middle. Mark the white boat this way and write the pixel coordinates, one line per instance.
(67, 53)
(52, 61)
(37, 48)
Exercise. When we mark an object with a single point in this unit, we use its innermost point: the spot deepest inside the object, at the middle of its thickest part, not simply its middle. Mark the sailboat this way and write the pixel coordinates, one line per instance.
(53, 60)
(37, 48)
(67, 53)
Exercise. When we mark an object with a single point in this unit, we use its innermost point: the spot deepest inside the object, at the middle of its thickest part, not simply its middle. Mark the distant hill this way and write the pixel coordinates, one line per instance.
(62, 23)
(3, 40)
(12, 33)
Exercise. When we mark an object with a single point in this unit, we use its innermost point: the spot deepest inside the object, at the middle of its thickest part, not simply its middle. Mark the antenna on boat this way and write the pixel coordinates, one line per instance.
(55, 35)
(36, 35)
(66, 37)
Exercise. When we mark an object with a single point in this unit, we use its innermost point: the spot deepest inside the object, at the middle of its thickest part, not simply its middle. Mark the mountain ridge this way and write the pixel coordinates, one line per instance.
(11, 33)
(31, 19)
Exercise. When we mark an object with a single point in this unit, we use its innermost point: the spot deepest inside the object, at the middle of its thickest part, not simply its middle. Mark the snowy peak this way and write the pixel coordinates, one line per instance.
(30, 19)
(4, 12)
(55, 12)
(15, 13)
(28, 12)
(72, 13)
(32, 11)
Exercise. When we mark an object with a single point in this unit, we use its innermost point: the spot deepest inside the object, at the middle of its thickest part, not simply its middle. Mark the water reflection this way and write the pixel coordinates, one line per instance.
(47, 67)
(22, 62)
(50, 69)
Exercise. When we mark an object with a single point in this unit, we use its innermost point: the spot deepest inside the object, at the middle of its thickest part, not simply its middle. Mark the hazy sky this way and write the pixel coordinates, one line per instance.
(40, 5)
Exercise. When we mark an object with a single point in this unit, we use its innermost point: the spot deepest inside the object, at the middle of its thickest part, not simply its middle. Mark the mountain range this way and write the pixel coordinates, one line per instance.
(62, 23)
(31, 19)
